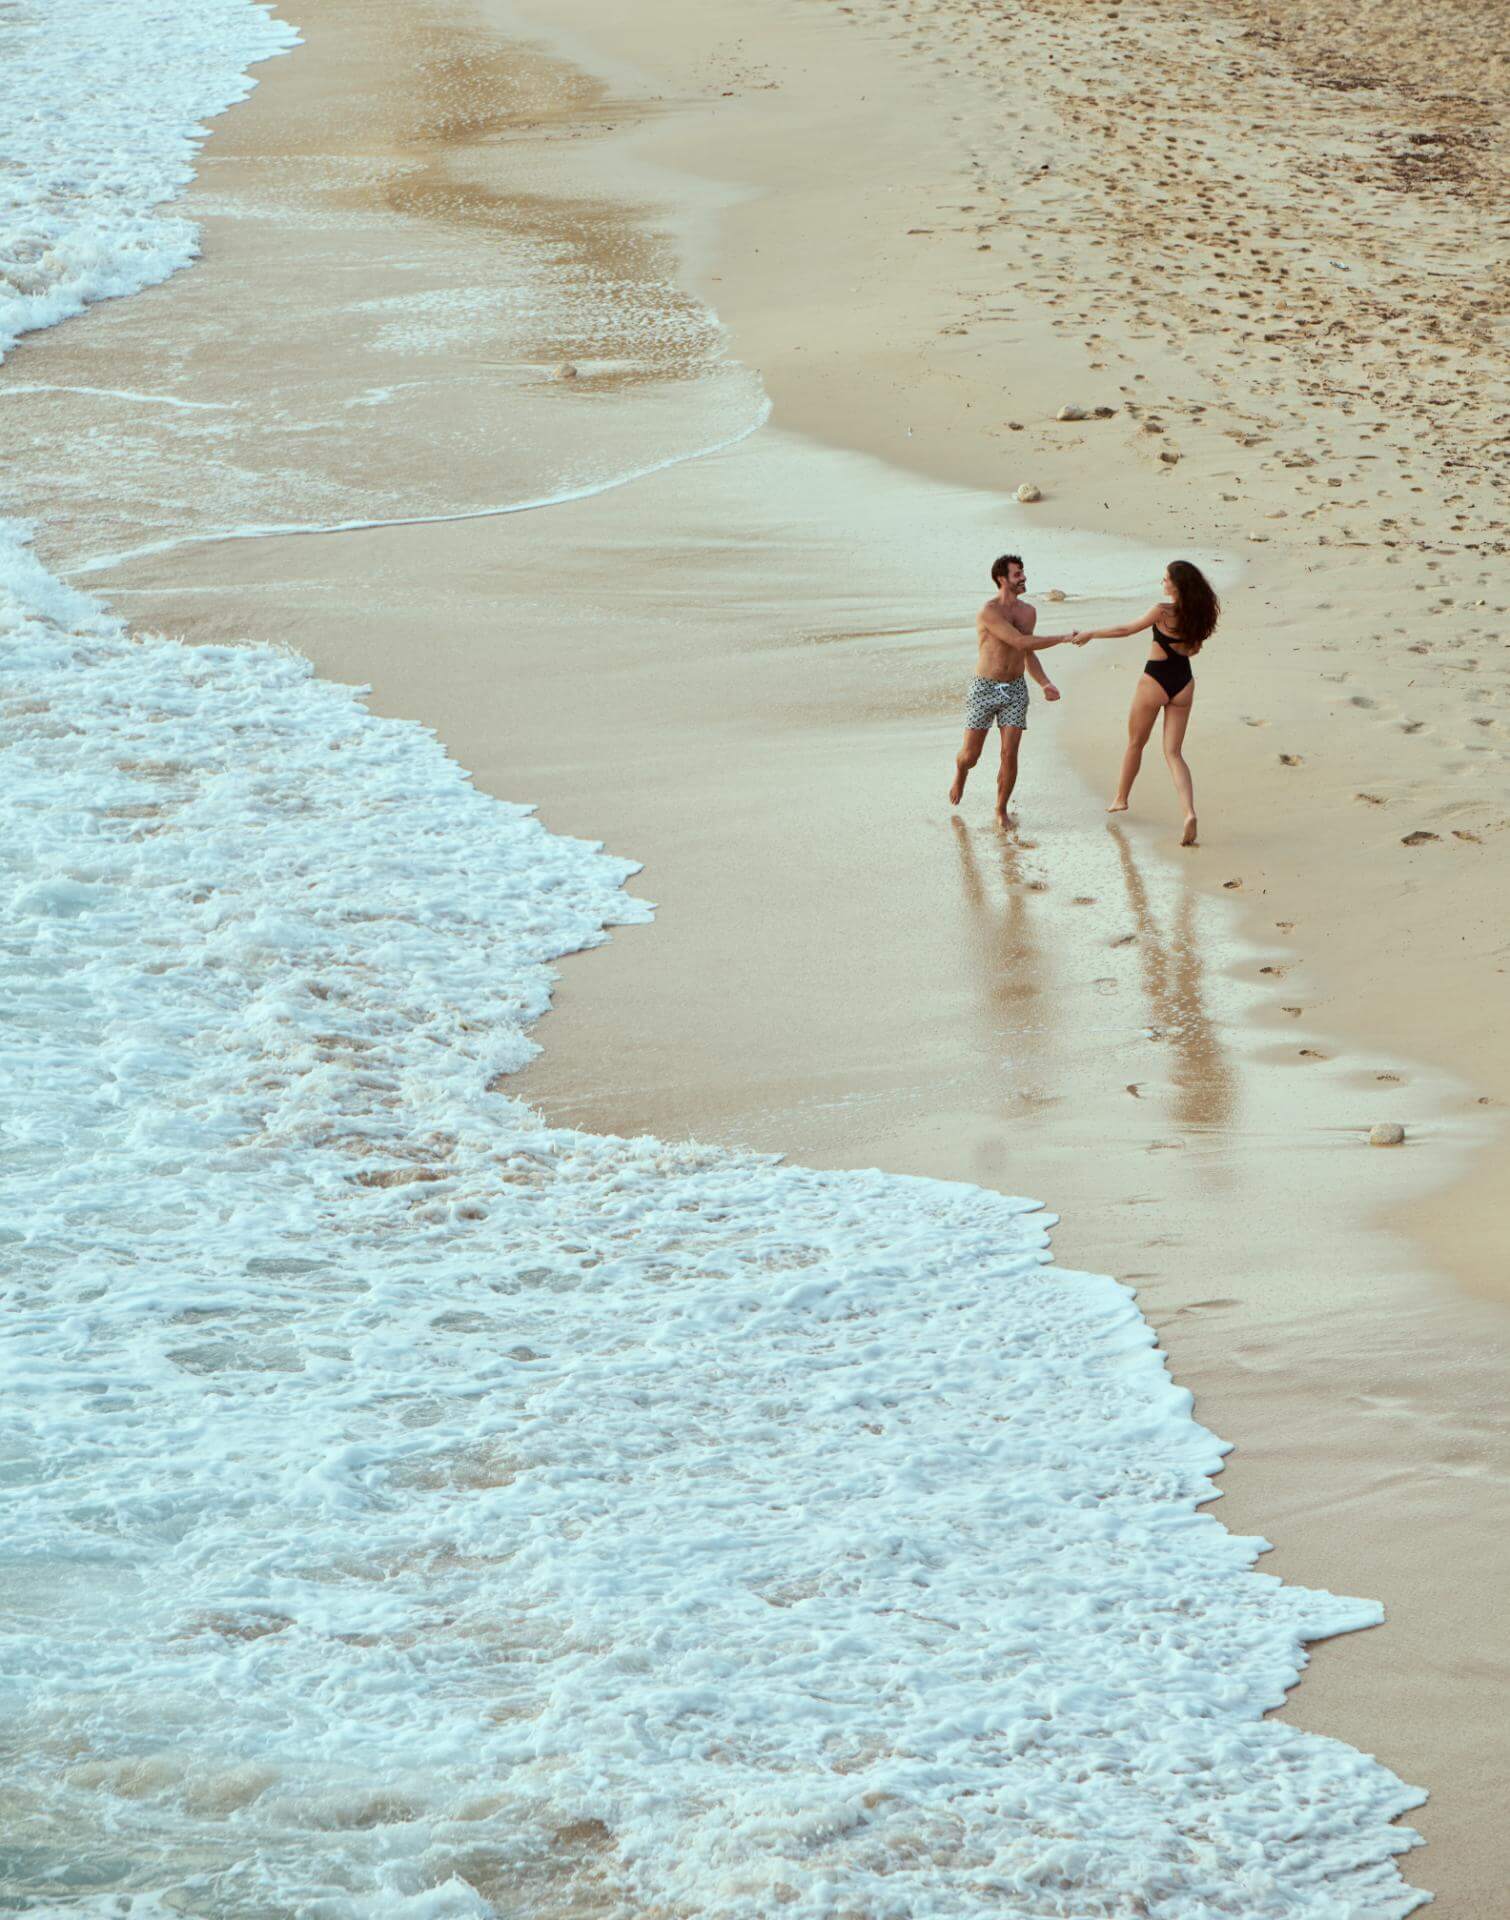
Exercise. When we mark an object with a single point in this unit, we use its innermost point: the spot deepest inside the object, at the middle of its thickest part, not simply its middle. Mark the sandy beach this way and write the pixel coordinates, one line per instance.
(925, 231)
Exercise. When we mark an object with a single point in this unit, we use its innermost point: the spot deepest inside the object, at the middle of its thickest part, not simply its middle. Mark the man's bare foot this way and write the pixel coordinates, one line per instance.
(1117, 806)
(957, 791)
(1187, 838)
(1004, 820)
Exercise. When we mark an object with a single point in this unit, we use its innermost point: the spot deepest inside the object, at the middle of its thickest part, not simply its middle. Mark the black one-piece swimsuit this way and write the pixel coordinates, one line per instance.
(1173, 674)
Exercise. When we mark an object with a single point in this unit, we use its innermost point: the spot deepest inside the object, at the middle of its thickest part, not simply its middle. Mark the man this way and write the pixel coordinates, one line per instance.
(1006, 646)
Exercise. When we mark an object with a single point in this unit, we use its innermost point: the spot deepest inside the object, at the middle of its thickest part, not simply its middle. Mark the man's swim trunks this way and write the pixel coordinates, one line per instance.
(1004, 701)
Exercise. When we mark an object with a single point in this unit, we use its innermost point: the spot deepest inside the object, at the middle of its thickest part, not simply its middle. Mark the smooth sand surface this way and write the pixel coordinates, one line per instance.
(745, 669)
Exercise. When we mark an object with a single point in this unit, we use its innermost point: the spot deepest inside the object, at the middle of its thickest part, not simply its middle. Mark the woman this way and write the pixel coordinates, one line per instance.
(1182, 623)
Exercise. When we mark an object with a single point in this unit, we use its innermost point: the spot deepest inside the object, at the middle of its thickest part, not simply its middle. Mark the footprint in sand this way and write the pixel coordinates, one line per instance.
(1460, 833)
(1294, 1012)
(1084, 900)
(1390, 1079)
(1292, 760)
(1372, 799)
(1419, 838)
(1229, 884)
(1123, 940)
(1412, 726)
(1310, 1053)
(1361, 700)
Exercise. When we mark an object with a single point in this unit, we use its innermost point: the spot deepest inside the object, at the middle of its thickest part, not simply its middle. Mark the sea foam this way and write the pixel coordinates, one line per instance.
(414, 1511)
(100, 110)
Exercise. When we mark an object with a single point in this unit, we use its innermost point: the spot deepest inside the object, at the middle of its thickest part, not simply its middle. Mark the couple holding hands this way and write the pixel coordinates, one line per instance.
(1182, 622)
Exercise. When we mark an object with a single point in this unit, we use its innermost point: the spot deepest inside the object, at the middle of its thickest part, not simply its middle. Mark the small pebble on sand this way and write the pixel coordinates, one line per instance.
(1388, 1133)
(1054, 593)
(567, 370)
(1027, 493)
(1070, 412)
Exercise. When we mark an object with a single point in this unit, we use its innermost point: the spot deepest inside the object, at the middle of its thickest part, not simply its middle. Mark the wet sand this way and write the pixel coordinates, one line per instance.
(745, 671)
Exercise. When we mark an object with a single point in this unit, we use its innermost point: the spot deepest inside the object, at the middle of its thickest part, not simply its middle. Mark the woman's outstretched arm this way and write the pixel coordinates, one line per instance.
(1149, 619)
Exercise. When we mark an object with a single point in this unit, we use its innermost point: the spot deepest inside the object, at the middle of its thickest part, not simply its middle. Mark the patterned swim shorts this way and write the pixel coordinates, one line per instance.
(1005, 701)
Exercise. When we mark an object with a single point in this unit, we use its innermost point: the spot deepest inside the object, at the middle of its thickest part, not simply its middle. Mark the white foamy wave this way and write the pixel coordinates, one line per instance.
(412, 1510)
(100, 102)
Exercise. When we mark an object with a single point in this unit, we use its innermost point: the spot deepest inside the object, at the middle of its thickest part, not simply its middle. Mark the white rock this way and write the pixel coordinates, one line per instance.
(1027, 492)
(567, 370)
(1054, 593)
(1070, 413)
(1388, 1133)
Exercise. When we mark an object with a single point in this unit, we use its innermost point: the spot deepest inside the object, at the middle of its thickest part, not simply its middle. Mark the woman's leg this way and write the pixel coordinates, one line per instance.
(1176, 720)
(1147, 699)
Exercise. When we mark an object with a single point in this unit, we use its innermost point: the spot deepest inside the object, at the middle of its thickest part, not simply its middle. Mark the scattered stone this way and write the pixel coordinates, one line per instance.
(1232, 883)
(1388, 1133)
(1070, 412)
(1170, 457)
(1418, 838)
(1057, 593)
(1027, 493)
(1103, 413)
(1015, 426)
(1290, 759)
(567, 370)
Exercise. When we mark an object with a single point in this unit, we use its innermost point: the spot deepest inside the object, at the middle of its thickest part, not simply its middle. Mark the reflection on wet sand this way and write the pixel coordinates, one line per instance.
(1202, 1077)
(1000, 937)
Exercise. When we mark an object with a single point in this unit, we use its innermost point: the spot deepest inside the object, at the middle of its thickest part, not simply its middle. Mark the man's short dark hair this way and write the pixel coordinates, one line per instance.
(999, 567)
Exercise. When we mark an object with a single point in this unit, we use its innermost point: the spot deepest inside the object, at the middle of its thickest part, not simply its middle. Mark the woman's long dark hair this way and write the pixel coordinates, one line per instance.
(1194, 602)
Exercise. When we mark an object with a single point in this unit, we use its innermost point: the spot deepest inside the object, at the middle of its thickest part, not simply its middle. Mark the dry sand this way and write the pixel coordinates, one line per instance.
(921, 225)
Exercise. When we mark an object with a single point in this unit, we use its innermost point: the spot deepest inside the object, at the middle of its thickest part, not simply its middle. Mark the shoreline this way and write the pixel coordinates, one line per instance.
(1005, 896)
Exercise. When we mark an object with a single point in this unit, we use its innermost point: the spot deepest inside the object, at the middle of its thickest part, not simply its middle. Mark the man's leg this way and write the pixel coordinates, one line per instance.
(965, 759)
(1006, 779)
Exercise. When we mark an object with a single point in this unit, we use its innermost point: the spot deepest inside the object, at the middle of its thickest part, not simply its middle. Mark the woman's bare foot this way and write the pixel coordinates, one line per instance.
(1117, 806)
(1187, 838)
